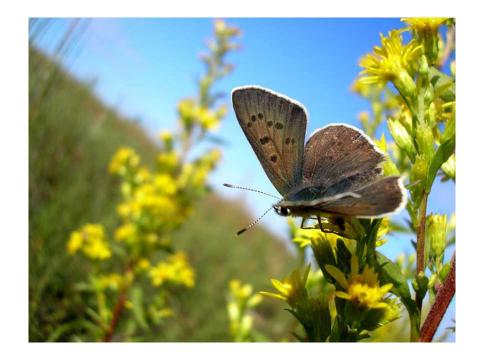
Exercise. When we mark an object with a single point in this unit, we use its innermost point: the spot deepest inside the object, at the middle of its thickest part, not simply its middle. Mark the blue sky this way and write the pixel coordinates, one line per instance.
(144, 66)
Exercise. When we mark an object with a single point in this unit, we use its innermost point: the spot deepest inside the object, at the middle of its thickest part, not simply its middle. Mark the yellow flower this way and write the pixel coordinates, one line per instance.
(112, 281)
(424, 24)
(142, 175)
(167, 161)
(392, 62)
(125, 158)
(75, 242)
(91, 240)
(166, 136)
(175, 269)
(243, 293)
(143, 264)
(206, 118)
(291, 288)
(165, 184)
(125, 232)
(362, 289)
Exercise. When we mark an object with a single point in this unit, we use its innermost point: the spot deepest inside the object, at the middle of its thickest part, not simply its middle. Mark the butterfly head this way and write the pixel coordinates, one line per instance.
(282, 210)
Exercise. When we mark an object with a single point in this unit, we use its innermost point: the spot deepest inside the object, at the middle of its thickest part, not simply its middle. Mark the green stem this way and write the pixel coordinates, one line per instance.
(414, 326)
(421, 243)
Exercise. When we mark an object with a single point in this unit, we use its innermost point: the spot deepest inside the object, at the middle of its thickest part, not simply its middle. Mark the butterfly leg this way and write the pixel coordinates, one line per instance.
(336, 222)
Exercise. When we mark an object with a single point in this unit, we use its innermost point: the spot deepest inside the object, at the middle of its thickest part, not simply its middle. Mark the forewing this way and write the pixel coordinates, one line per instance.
(275, 127)
(377, 199)
(342, 157)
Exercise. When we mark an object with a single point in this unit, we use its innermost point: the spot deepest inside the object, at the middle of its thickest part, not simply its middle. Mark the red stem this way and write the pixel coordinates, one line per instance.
(442, 300)
(117, 312)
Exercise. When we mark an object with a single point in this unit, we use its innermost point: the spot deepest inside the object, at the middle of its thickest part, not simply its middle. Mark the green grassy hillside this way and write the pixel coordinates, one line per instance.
(72, 137)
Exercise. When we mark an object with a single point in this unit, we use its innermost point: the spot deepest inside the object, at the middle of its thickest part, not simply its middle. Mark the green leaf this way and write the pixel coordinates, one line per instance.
(443, 84)
(444, 151)
(391, 273)
(137, 309)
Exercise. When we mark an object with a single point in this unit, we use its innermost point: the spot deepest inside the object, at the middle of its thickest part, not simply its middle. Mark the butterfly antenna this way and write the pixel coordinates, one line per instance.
(253, 223)
(254, 190)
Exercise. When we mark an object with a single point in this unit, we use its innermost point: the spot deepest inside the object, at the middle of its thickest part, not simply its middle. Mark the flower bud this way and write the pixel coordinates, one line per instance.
(425, 141)
(423, 69)
(401, 137)
(405, 84)
(448, 167)
(437, 234)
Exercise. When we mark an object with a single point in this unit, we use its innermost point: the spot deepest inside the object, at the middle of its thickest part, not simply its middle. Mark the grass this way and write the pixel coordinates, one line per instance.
(72, 136)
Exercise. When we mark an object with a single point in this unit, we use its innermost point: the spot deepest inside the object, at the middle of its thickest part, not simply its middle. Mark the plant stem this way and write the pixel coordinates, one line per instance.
(414, 326)
(421, 245)
(118, 309)
(117, 312)
(421, 234)
(442, 300)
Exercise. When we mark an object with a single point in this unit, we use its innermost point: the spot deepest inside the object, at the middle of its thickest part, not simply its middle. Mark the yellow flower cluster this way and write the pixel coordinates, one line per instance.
(425, 23)
(125, 158)
(240, 300)
(111, 281)
(392, 61)
(176, 269)
(192, 113)
(291, 288)
(152, 201)
(362, 289)
(91, 241)
(242, 292)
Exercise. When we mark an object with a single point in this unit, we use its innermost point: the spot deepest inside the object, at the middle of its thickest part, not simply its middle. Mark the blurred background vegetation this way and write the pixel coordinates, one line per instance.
(72, 137)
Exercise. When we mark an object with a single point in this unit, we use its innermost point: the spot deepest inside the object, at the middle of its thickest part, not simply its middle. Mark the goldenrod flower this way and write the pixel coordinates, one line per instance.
(424, 24)
(142, 175)
(240, 300)
(125, 232)
(143, 264)
(243, 293)
(166, 136)
(91, 240)
(291, 288)
(175, 269)
(392, 61)
(165, 184)
(125, 158)
(167, 161)
(75, 243)
(362, 289)
(112, 281)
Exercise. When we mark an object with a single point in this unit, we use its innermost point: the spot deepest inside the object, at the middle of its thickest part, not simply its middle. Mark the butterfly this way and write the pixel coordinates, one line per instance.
(337, 172)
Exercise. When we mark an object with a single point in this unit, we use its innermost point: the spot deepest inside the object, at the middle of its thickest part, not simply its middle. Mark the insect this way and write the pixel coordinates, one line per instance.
(337, 172)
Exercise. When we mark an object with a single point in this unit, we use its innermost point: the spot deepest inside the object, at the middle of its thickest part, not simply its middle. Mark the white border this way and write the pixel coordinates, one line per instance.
(14, 332)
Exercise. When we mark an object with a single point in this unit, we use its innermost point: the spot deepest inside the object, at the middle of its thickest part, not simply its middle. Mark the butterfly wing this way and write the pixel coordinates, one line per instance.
(376, 199)
(340, 158)
(275, 127)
